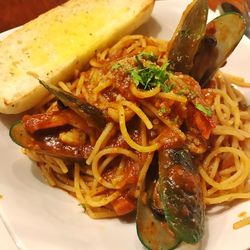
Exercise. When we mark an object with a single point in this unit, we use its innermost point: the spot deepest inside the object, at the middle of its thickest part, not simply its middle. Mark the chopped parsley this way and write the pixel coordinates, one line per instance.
(181, 92)
(167, 88)
(149, 75)
(148, 56)
(185, 33)
(116, 66)
(162, 110)
(206, 111)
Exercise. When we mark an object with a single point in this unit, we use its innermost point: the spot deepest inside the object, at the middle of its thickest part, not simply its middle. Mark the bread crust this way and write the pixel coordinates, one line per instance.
(52, 46)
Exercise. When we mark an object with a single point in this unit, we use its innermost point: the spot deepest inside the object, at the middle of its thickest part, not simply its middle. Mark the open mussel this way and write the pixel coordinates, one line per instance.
(48, 144)
(222, 36)
(73, 115)
(186, 39)
(152, 227)
(170, 208)
(181, 195)
(87, 111)
(200, 50)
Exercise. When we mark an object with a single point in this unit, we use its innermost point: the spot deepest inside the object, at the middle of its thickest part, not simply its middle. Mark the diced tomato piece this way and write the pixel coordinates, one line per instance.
(204, 123)
(132, 173)
(123, 205)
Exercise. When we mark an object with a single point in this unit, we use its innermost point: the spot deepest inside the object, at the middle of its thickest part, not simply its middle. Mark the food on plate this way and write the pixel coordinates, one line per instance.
(239, 4)
(242, 223)
(146, 128)
(57, 43)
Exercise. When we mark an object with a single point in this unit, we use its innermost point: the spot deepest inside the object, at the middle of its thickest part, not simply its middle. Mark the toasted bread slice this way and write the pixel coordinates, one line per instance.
(56, 43)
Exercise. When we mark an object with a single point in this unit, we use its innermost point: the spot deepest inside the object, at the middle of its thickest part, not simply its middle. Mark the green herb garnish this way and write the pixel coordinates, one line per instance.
(139, 62)
(116, 66)
(206, 111)
(167, 88)
(151, 75)
(148, 56)
(162, 110)
(185, 33)
(181, 92)
(138, 79)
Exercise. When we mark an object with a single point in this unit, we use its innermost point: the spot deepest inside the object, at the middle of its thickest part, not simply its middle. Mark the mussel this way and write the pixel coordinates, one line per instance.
(185, 41)
(49, 143)
(152, 228)
(84, 109)
(180, 192)
(172, 211)
(199, 49)
(241, 7)
(221, 37)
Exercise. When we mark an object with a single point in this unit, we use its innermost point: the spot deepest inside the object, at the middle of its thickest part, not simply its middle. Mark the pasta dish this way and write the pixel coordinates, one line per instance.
(140, 121)
(100, 136)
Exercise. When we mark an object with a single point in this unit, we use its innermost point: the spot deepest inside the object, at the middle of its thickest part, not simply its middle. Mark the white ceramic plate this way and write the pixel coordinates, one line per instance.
(43, 218)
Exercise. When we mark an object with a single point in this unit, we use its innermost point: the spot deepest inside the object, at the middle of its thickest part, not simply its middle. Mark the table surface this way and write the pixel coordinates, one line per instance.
(14, 13)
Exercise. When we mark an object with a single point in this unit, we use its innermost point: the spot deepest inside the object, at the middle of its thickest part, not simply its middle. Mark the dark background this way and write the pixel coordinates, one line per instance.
(17, 12)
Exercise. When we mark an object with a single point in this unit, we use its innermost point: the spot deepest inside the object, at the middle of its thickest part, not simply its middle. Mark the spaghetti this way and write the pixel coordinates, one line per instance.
(225, 170)
(167, 110)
